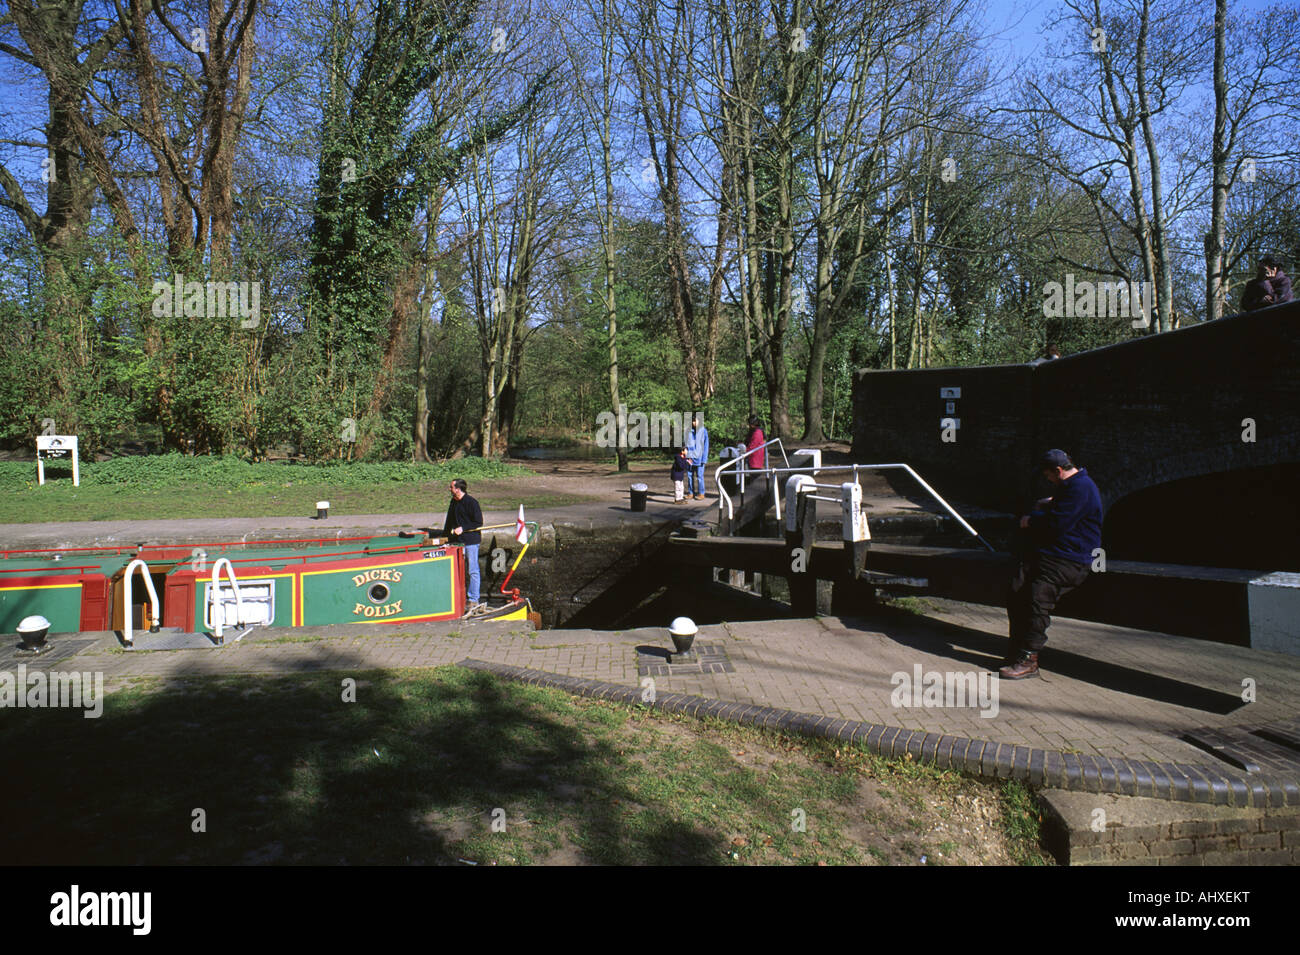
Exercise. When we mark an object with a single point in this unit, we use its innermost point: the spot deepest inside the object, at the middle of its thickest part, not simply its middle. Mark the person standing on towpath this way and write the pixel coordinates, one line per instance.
(1064, 539)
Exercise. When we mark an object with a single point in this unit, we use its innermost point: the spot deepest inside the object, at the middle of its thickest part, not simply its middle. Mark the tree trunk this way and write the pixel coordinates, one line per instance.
(814, 382)
(404, 295)
(1160, 249)
(508, 403)
(607, 234)
(1214, 279)
(421, 423)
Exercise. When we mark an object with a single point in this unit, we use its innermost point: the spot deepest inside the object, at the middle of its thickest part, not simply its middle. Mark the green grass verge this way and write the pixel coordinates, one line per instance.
(175, 486)
(1022, 821)
(423, 764)
(914, 605)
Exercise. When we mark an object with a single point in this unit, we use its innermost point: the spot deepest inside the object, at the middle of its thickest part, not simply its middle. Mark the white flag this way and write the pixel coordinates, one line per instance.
(521, 532)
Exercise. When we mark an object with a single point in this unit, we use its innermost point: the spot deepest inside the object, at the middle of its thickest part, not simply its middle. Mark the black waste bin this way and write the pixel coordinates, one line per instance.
(639, 494)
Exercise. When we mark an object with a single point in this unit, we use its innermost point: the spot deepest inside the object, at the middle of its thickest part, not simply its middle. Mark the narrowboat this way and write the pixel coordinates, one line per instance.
(227, 588)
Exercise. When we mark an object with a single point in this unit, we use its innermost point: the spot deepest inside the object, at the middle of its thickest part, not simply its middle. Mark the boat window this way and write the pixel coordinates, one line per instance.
(378, 593)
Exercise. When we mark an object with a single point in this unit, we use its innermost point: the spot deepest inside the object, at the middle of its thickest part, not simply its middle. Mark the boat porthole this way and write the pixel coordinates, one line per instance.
(377, 593)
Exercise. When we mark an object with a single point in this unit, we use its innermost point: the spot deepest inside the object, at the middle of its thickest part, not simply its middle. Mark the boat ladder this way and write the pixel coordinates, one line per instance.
(214, 610)
(128, 634)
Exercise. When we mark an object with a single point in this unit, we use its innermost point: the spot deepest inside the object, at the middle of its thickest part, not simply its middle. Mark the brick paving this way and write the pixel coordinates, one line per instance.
(1106, 693)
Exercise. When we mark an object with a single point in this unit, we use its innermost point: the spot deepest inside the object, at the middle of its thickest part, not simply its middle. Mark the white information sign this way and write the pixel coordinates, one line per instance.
(55, 447)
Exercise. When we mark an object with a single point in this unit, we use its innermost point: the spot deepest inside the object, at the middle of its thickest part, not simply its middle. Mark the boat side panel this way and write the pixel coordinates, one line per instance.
(57, 600)
(194, 588)
(400, 588)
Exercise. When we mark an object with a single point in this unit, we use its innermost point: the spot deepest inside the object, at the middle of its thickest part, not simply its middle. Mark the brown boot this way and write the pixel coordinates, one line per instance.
(1022, 669)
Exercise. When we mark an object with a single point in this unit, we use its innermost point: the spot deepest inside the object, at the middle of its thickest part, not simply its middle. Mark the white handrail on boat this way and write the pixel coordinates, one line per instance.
(128, 634)
(217, 617)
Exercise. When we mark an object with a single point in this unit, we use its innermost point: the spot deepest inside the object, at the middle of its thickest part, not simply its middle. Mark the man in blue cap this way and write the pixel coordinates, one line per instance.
(1065, 537)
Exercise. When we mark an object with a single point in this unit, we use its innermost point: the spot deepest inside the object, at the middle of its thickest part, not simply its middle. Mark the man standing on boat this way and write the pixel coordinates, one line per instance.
(464, 518)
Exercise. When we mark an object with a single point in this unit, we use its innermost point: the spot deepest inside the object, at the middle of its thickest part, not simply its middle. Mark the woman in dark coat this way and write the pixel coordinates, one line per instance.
(1271, 286)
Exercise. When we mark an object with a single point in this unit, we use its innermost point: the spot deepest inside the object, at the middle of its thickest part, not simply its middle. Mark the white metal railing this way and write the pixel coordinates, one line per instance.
(772, 473)
(216, 614)
(734, 465)
(128, 633)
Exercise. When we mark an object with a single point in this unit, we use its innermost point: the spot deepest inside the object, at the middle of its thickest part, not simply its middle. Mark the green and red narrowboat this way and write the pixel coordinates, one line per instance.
(225, 587)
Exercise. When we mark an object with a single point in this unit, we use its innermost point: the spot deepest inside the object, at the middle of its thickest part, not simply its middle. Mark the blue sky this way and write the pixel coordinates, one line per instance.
(1015, 24)
(1013, 29)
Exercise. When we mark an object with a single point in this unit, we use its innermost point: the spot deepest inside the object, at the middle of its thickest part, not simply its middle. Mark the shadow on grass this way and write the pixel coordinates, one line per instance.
(284, 771)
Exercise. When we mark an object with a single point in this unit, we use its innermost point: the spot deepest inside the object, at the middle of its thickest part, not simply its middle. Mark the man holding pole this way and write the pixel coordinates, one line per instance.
(464, 518)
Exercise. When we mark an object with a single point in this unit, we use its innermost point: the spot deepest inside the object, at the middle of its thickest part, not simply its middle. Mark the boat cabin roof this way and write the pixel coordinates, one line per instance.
(174, 557)
(72, 564)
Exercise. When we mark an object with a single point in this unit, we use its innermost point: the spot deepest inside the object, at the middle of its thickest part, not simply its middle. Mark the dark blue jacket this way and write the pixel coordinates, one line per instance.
(465, 514)
(1071, 528)
(680, 467)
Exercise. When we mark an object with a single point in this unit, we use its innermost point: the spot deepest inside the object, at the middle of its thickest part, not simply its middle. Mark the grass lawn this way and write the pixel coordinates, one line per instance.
(107, 504)
(172, 486)
(449, 766)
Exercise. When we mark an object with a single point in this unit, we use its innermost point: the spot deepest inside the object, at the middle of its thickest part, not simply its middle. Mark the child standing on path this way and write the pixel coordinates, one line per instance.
(680, 468)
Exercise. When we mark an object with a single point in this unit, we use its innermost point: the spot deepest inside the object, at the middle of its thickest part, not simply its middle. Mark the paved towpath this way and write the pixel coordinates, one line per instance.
(1105, 691)
(608, 504)
(108, 533)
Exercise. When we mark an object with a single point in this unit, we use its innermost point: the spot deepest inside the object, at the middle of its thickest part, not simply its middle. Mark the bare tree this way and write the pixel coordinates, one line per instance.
(189, 121)
(1254, 91)
(598, 106)
(65, 47)
(886, 74)
(1125, 68)
(766, 79)
(512, 205)
(659, 41)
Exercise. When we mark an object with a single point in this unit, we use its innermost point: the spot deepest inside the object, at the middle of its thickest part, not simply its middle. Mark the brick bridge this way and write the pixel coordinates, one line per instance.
(1158, 423)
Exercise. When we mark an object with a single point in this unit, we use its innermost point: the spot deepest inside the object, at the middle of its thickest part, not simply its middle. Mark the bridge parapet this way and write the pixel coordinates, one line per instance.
(1209, 398)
